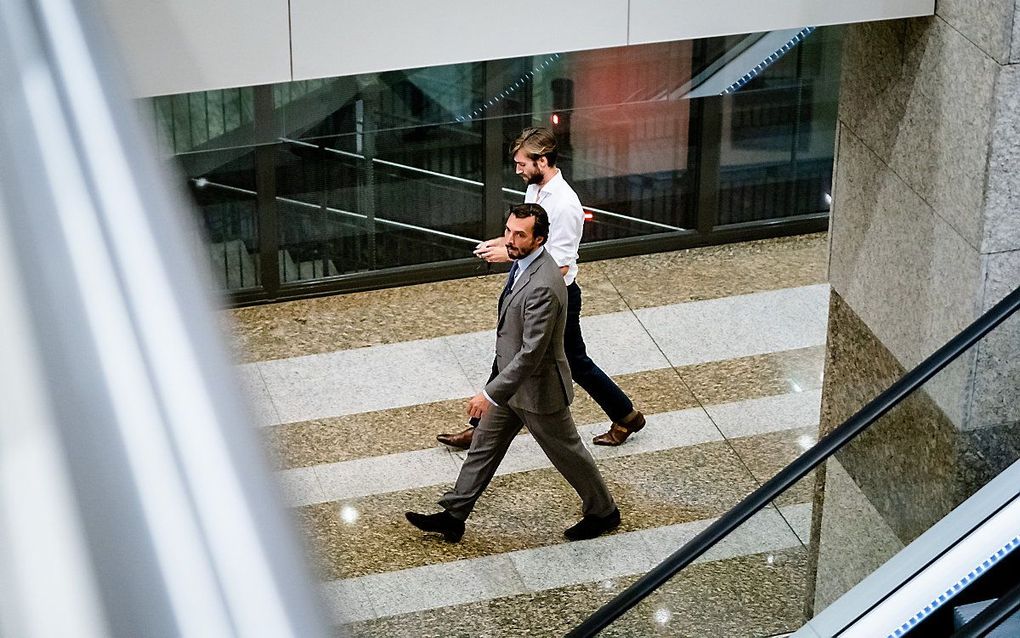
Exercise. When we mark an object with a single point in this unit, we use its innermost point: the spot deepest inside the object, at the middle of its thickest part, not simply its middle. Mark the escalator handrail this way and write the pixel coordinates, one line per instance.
(805, 463)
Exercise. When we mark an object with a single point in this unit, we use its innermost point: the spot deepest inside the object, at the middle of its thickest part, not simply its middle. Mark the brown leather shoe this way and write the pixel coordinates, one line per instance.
(460, 440)
(618, 432)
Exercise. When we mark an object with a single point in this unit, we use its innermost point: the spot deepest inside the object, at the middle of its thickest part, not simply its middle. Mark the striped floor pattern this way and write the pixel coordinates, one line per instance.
(730, 385)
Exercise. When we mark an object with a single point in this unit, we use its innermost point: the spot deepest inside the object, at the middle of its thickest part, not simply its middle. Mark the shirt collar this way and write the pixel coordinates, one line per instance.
(553, 183)
(524, 262)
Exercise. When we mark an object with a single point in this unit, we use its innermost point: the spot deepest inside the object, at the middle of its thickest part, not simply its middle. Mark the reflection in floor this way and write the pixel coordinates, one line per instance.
(723, 350)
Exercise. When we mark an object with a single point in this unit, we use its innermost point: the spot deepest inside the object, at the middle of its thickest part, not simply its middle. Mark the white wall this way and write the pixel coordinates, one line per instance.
(343, 38)
(665, 20)
(190, 45)
(178, 46)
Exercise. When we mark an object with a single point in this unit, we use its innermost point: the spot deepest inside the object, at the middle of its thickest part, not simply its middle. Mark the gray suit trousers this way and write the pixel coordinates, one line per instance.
(555, 433)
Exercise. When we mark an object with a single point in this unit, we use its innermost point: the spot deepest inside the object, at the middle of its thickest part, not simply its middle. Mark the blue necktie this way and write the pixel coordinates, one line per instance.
(509, 284)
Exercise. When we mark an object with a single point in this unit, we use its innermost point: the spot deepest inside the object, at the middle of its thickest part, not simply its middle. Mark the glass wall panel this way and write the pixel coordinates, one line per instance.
(206, 120)
(222, 183)
(373, 173)
(624, 132)
(397, 171)
(778, 134)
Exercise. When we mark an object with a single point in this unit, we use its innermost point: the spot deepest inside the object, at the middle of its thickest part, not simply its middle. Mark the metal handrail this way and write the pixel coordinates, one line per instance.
(202, 182)
(471, 182)
(798, 469)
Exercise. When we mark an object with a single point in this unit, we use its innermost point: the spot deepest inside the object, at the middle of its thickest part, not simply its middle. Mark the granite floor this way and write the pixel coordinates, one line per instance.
(722, 348)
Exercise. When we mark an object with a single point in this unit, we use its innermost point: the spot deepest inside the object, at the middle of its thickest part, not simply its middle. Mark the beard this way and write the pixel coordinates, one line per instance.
(518, 253)
(534, 179)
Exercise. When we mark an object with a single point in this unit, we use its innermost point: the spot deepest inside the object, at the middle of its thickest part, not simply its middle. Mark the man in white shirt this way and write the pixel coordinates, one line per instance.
(534, 154)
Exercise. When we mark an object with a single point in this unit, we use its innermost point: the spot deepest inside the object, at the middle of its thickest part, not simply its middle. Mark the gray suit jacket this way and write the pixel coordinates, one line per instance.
(531, 368)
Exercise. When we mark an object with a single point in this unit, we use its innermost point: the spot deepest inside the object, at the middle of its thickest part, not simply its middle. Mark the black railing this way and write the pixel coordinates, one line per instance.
(795, 471)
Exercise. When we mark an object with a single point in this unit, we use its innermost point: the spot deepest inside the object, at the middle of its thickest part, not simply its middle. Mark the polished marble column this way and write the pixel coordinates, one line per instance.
(899, 477)
(924, 237)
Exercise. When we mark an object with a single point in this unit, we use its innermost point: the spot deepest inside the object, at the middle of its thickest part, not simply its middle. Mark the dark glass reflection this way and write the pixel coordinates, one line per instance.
(778, 134)
(388, 170)
(223, 185)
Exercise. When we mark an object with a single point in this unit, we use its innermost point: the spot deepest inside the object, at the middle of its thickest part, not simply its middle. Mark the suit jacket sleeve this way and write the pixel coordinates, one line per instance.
(541, 309)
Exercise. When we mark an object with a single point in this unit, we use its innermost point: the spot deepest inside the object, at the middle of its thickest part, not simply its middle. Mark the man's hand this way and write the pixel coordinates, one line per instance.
(492, 251)
(478, 406)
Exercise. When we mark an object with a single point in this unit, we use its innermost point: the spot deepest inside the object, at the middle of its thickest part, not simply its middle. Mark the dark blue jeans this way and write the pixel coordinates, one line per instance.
(613, 401)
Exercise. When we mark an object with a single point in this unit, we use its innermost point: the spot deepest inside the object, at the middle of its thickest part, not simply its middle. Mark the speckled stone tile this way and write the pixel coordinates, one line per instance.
(741, 326)
(901, 475)
(766, 454)
(357, 320)
(346, 601)
(365, 434)
(769, 414)
(664, 390)
(439, 465)
(648, 281)
(364, 380)
(620, 343)
(755, 376)
(424, 311)
(540, 569)
(599, 295)
(913, 464)
(436, 465)
(414, 428)
(799, 518)
(381, 475)
(651, 392)
(443, 584)
(617, 342)
(378, 538)
(851, 538)
(746, 597)
(523, 510)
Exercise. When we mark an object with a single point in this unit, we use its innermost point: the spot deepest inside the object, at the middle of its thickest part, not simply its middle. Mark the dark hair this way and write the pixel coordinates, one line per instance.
(523, 211)
(536, 142)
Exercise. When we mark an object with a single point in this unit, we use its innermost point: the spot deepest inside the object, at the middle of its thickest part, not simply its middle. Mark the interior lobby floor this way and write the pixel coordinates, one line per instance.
(722, 348)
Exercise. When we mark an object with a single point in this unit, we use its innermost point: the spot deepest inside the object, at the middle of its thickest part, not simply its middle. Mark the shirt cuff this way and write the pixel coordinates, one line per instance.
(489, 398)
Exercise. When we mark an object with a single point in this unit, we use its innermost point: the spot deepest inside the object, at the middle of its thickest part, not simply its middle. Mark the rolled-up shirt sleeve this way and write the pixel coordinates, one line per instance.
(565, 227)
(566, 222)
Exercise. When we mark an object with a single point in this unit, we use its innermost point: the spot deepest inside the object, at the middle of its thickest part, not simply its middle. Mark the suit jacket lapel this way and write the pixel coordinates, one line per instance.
(522, 280)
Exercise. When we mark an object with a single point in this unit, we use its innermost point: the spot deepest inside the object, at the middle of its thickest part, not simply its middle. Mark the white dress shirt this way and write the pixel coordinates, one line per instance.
(566, 221)
(524, 262)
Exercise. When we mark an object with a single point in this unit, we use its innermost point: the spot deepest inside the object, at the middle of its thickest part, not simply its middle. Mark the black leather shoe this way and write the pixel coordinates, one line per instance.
(592, 526)
(460, 440)
(440, 523)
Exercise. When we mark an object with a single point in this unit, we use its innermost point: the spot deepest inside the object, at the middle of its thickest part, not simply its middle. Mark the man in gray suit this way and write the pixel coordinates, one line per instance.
(530, 386)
